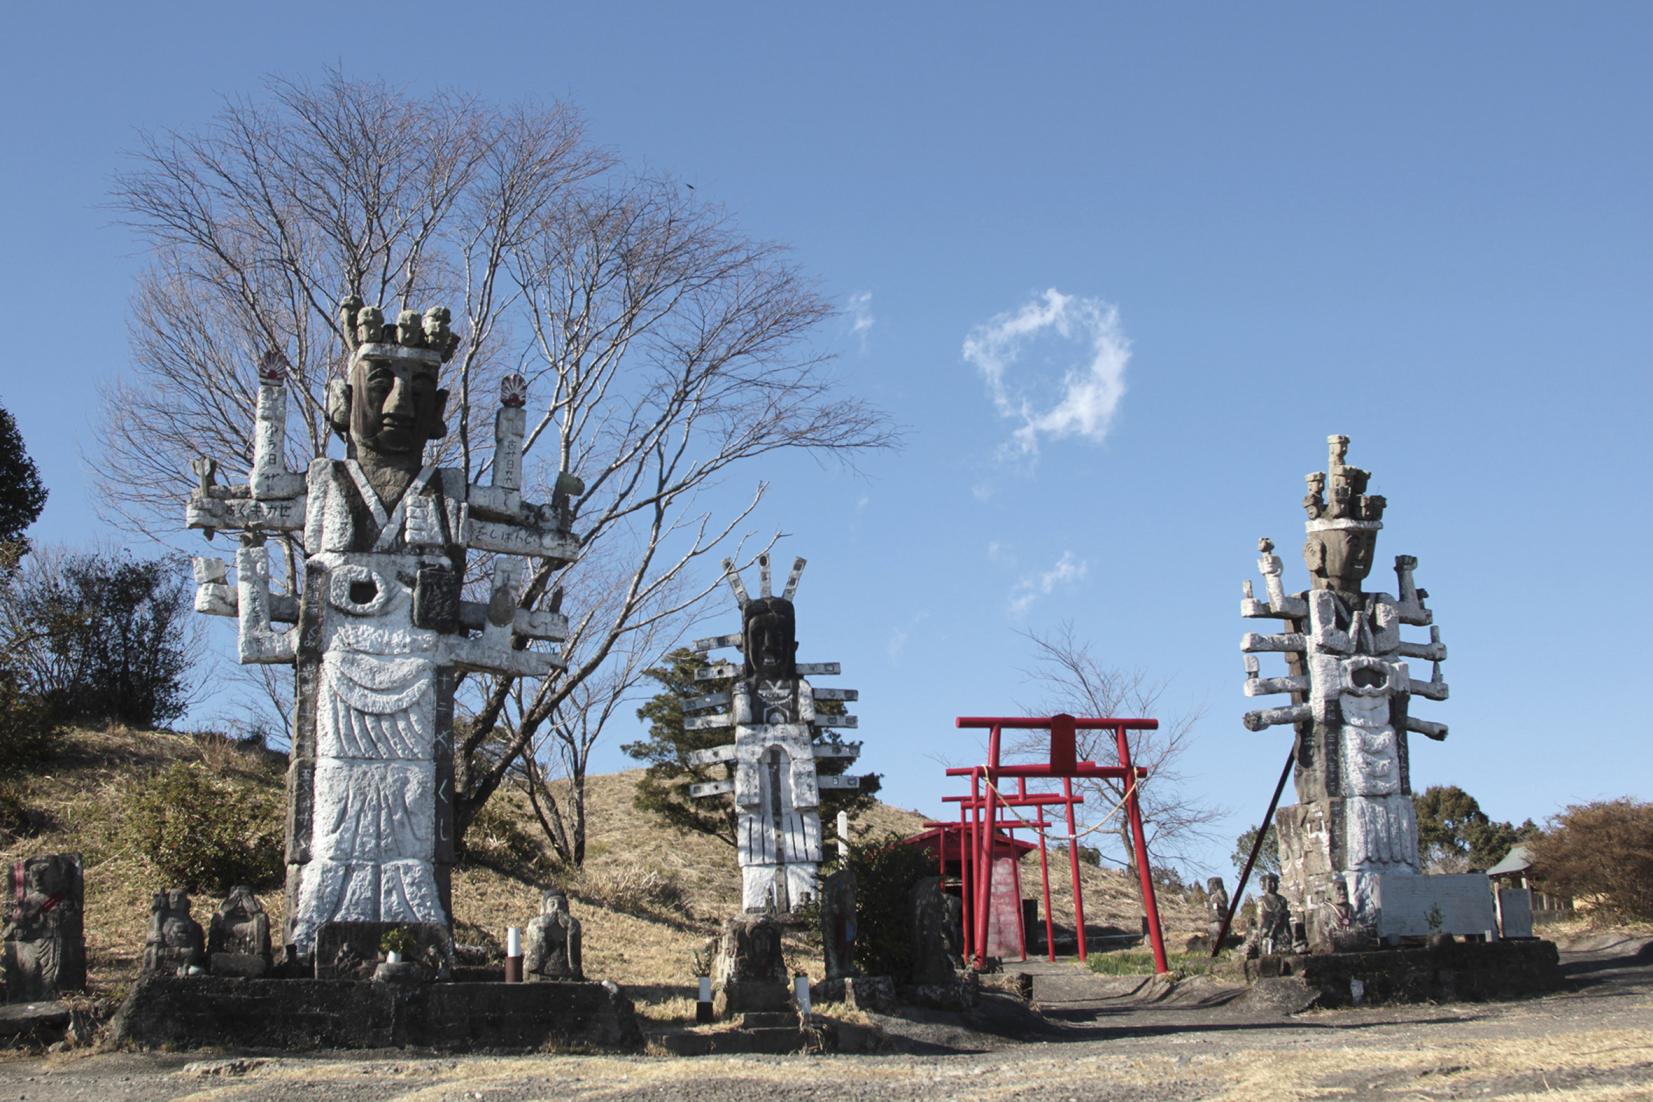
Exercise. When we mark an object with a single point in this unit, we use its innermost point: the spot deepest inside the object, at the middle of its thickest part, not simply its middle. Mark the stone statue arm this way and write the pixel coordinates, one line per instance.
(257, 641)
(273, 499)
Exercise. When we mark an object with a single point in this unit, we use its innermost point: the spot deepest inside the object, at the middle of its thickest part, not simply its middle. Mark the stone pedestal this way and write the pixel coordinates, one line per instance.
(299, 1014)
(749, 971)
(44, 953)
(1452, 971)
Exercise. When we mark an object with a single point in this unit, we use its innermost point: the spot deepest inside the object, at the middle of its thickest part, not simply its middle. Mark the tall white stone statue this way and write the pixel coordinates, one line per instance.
(380, 628)
(777, 729)
(1349, 674)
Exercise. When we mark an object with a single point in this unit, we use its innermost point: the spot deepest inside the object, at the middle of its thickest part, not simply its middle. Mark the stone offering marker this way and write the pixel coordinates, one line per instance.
(45, 946)
(772, 710)
(381, 628)
(1349, 676)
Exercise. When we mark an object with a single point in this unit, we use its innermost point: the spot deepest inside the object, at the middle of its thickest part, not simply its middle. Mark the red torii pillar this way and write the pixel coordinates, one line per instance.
(1021, 799)
(1063, 764)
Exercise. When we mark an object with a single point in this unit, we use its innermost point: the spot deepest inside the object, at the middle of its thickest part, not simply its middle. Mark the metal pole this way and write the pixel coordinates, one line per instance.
(1140, 844)
(1256, 848)
(1073, 866)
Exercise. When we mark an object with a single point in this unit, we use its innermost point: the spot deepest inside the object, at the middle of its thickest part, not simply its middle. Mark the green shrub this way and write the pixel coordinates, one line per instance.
(205, 833)
(27, 731)
(885, 872)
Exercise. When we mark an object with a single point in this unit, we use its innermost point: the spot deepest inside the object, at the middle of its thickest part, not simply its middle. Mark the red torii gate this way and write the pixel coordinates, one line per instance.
(985, 799)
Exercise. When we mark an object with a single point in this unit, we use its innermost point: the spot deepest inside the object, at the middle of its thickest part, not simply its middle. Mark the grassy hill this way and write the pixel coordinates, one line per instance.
(648, 897)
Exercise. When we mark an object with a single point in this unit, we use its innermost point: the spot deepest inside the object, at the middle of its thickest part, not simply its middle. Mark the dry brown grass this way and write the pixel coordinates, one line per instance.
(647, 898)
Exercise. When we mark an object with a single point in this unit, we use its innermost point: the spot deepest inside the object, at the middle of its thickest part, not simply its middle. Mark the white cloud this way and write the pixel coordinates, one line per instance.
(1078, 388)
(860, 316)
(1067, 570)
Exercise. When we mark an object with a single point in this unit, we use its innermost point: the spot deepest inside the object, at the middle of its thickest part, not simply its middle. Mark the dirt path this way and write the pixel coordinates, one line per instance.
(1592, 1041)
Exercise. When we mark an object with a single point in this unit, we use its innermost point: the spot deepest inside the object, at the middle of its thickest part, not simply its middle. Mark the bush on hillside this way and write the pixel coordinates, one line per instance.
(28, 733)
(885, 872)
(101, 637)
(204, 833)
(1602, 850)
(630, 889)
(497, 841)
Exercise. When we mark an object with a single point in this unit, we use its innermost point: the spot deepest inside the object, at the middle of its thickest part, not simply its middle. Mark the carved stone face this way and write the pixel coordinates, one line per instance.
(395, 406)
(1271, 883)
(554, 903)
(1340, 558)
(770, 638)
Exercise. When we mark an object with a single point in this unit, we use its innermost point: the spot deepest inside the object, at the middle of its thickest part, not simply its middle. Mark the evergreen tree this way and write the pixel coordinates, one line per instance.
(22, 496)
(663, 793)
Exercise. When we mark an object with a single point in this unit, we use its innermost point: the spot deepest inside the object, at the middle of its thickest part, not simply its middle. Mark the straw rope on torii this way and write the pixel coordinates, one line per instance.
(771, 710)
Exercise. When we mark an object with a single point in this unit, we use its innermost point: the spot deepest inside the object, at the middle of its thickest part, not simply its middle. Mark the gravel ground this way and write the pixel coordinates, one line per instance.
(1592, 1041)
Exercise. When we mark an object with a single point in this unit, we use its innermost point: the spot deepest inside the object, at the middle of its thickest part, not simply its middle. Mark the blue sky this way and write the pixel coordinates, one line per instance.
(1244, 227)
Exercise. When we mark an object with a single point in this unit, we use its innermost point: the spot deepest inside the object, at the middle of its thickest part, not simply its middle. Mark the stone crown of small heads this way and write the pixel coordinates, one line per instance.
(428, 337)
(1337, 498)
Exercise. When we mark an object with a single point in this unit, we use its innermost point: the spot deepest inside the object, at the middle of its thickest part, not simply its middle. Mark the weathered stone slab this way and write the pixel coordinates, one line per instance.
(190, 1012)
(1515, 912)
(1417, 906)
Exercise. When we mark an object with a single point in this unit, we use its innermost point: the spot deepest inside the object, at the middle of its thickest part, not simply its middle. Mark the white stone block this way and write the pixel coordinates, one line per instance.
(1410, 905)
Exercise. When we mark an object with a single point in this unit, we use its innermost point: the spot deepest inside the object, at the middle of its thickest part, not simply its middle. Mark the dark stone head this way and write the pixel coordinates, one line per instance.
(1270, 883)
(390, 408)
(769, 637)
(1340, 558)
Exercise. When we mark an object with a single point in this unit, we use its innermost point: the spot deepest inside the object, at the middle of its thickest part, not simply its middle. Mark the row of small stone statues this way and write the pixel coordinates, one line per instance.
(45, 949)
(1331, 928)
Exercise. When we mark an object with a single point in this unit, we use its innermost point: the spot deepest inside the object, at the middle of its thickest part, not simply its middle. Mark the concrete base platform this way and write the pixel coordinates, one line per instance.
(1452, 972)
(289, 1014)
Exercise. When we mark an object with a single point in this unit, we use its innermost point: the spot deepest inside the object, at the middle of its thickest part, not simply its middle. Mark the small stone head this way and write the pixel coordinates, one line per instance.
(177, 902)
(1214, 886)
(409, 331)
(1270, 883)
(240, 903)
(554, 902)
(769, 637)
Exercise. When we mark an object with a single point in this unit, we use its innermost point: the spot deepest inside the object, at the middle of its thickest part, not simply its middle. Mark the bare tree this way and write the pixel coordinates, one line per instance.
(664, 346)
(1071, 678)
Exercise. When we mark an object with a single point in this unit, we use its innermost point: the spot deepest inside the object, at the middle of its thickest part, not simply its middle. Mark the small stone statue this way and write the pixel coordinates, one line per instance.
(238, 939)
(552, 947)
(1216, 902)
(936, 933)
(749, 970)
(1272, 934)
(45, 949)
(838, 924)
(1334, 927)
(176, 943)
